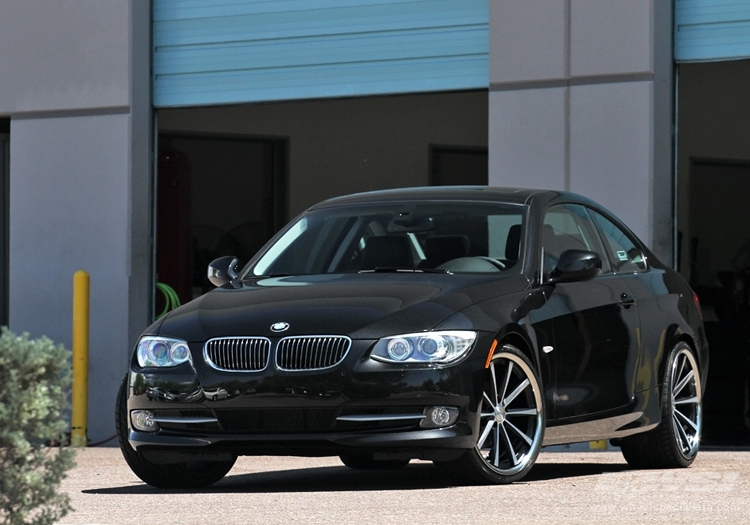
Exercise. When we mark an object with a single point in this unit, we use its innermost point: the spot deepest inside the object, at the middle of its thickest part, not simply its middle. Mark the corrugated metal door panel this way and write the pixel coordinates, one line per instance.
(246, 51)
(707, 30)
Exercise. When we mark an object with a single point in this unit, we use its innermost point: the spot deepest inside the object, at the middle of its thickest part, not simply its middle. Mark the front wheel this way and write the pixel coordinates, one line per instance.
(511, 422)
(193, 474)
(675, 442)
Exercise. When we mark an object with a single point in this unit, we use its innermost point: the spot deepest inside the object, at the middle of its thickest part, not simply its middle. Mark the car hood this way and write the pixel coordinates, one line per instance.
(363, 306)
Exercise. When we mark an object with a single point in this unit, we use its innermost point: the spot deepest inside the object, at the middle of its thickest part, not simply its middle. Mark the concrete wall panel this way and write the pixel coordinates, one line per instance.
(610, 149)
(69, 211)
(64, 55)
(527, 138)
(527, 40)
(611, 36)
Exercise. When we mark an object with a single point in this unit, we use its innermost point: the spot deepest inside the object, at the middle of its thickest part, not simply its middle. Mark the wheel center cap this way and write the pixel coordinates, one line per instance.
(499, 414)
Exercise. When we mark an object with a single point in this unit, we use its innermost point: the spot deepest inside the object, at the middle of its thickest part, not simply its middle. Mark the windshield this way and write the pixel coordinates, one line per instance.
(441, 237)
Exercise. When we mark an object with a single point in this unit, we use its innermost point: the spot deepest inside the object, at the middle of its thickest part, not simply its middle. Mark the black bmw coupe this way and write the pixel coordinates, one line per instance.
(469, 326)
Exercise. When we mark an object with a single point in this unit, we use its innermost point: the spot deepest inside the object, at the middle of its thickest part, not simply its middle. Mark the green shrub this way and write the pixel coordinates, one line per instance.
(35, 378)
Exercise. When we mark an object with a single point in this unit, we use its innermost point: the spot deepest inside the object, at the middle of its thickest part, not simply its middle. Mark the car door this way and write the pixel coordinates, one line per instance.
(595, 322)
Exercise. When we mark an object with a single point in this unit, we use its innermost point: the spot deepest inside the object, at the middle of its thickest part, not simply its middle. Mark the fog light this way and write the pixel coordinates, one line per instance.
(143, 420)
(438, 417)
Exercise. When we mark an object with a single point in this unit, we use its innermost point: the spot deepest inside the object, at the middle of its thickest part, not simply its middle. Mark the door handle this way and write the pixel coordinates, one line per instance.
(626, 301)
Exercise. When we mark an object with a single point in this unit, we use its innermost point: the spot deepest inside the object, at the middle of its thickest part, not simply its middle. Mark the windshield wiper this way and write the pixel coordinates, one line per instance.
(407, 270)
(272, 275)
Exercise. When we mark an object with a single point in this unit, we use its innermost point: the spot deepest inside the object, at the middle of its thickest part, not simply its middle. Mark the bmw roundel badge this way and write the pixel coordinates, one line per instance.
(279, 327)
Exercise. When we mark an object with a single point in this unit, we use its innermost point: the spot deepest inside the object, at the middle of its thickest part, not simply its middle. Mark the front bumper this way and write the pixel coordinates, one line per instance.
(433, 444)
(360, 405)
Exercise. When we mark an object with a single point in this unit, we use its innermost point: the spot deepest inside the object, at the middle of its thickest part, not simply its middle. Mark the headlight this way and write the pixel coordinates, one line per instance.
(161, 351)
(428, 347)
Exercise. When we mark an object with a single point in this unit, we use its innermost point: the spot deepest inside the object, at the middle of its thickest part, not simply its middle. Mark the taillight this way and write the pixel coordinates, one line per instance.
(698, 304)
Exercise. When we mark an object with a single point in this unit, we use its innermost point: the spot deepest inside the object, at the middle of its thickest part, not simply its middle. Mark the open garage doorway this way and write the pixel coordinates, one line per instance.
(229, 177)
(216, 195)
(714, 232)
(342, 146)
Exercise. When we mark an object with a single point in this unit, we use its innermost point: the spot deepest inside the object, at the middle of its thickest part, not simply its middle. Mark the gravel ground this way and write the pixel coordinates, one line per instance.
(564, 487)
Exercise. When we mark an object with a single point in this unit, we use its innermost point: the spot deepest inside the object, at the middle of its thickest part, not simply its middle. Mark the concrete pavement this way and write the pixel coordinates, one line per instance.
(564, 487)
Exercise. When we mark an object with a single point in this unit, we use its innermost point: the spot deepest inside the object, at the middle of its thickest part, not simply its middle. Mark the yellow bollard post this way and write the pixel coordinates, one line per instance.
(80, 394)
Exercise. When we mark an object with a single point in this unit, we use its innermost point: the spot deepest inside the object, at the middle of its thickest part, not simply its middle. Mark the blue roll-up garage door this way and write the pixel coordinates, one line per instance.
(208, 52)
(710, 30)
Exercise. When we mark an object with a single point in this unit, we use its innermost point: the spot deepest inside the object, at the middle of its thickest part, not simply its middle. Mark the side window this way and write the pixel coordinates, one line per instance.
(569, 227)
(624, 253)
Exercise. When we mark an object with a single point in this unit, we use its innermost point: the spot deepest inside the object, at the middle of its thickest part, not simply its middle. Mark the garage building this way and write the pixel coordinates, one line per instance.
(140, 139)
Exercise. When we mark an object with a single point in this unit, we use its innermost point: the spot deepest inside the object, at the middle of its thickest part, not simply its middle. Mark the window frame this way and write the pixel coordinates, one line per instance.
(593, 212)
(594, 235)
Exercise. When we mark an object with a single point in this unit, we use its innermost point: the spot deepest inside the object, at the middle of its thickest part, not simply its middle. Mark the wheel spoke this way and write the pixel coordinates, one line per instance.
(682, 437)
(687, 401)
(489, 401)
(678, 374)
(683, 417)
(492, 402)
(509, 446)
(520, 388)
(496, 451)
(522, 412)
(684, 381)
(515, 429)
(485, 433)
(505, 383)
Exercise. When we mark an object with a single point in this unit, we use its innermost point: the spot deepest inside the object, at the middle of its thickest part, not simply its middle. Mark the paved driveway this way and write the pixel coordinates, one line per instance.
(564, 487)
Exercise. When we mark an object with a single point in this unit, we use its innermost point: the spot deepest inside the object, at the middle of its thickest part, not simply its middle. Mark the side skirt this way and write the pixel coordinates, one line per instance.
(608, 428)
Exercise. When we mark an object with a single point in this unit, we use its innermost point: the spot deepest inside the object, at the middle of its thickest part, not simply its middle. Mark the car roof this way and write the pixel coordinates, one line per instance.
(479, 193)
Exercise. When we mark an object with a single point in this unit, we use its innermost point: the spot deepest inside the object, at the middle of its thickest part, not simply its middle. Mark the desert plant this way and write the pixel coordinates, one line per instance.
(34, 383)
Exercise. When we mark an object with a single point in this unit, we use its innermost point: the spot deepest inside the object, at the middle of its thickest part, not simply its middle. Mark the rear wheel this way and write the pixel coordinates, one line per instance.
(675, 442)
(192, 474)
(511, 424)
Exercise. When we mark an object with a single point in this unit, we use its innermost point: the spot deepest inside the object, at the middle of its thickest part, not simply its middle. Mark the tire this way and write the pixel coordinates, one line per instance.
(511, 423)
(366, 462)
(194, 474)
(675, 441)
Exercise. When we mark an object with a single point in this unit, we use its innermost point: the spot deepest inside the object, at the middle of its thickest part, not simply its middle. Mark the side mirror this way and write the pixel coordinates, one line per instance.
(576, 265)
(223, 270)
